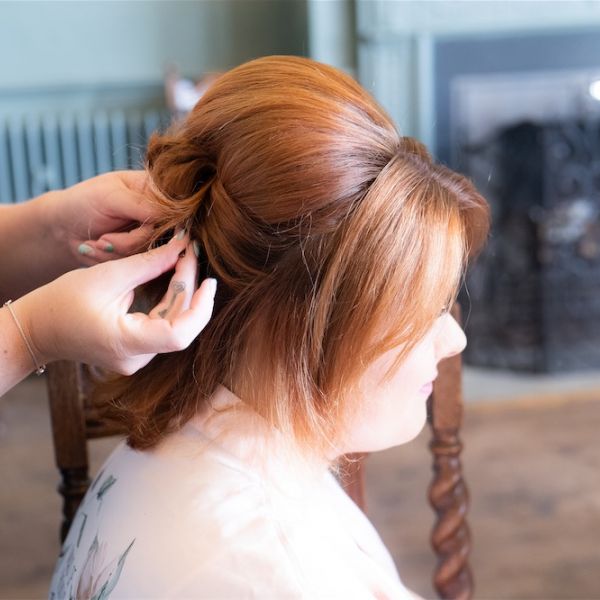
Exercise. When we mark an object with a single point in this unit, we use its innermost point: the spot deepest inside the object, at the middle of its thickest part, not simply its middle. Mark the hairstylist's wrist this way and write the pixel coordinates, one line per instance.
(37, 320)
(40, 223)
(54, 229)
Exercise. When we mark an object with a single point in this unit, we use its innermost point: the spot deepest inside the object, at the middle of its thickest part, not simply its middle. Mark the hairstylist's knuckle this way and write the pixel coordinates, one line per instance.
(176, 343)
(120, 342)
(117, 353)
(179, 339)
(126, 368)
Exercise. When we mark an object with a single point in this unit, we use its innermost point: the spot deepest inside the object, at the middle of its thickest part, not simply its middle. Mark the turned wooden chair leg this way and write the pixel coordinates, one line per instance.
(74, 485)
(448, 493)
(68, 426)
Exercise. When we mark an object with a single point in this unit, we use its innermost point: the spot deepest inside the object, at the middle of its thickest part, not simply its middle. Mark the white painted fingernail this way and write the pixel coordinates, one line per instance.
(85, 250)
(178, 235)
(196, 247)
(212, 286)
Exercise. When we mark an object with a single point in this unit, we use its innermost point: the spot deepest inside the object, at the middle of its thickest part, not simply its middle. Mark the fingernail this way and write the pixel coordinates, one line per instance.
(109, 248)
(85, 250)
(178, 235)
(212, 286)
(196, 247)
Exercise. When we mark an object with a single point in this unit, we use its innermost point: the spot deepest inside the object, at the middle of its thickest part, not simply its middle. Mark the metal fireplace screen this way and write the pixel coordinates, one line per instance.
(532, 300)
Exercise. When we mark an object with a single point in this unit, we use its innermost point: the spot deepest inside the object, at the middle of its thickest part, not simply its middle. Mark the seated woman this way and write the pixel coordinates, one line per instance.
(338, 247)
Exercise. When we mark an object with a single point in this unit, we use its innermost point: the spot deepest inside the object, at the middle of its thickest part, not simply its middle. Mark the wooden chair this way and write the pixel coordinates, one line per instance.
(74, 422)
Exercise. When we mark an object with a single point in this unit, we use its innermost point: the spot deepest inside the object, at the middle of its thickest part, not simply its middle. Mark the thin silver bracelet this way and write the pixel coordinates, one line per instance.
(39, 369)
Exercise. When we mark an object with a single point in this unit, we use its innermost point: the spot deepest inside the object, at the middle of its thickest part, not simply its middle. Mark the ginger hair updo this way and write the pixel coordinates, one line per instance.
(332, 237)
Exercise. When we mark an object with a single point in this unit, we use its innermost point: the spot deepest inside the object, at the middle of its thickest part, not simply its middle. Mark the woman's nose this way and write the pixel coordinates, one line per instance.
(451, 339)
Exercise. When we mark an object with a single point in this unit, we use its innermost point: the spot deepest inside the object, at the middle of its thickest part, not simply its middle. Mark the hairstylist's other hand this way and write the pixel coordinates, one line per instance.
(106, 217)
(83, 315)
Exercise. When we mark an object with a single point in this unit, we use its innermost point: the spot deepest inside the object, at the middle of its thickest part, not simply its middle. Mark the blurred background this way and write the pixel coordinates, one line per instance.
(507, 93)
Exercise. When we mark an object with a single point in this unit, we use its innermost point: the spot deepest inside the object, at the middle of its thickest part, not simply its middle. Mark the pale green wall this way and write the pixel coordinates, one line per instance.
(332, 27)
(395, 44)
(473, 16)
(56, 43)
(90, 51)
(75, 47)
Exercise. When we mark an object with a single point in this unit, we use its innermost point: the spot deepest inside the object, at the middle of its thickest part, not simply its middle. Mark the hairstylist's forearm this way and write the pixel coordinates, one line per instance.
(15, 360)
(30, 253)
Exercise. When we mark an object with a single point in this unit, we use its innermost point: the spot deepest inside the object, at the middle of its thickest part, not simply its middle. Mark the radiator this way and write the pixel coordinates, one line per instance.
(41, 153)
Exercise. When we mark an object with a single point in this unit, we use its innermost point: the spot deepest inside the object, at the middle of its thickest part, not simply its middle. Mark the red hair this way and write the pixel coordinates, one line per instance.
(332, 237)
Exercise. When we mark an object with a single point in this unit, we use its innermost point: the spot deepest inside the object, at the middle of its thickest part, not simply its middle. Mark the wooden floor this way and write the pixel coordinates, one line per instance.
(532, 466)
(533, 473)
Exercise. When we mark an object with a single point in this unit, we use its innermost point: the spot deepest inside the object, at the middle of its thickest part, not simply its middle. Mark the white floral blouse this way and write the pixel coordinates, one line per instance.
(220, 510)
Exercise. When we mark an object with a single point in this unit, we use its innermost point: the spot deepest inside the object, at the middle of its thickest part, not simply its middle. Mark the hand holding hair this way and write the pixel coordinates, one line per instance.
(180, 316)
(106, 217)
(83, 315)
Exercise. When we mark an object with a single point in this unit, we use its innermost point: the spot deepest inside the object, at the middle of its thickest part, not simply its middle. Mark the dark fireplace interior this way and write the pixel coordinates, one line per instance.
(520, 115)
(532, 301)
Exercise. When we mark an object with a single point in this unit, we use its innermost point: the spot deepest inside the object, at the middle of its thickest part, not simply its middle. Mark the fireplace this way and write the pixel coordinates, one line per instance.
(532, 301)
(533, 298)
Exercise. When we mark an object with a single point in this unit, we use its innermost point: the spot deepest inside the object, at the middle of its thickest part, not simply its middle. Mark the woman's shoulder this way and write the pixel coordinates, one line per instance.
(214, 510)
(183, 514)
(186, 470)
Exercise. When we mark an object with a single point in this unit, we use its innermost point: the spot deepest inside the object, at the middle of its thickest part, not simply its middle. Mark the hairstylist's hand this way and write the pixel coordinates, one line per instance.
(83, 314)
(105, 217)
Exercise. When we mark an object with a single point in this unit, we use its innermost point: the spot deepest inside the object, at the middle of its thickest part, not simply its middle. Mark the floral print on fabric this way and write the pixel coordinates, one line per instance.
(99, 574)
